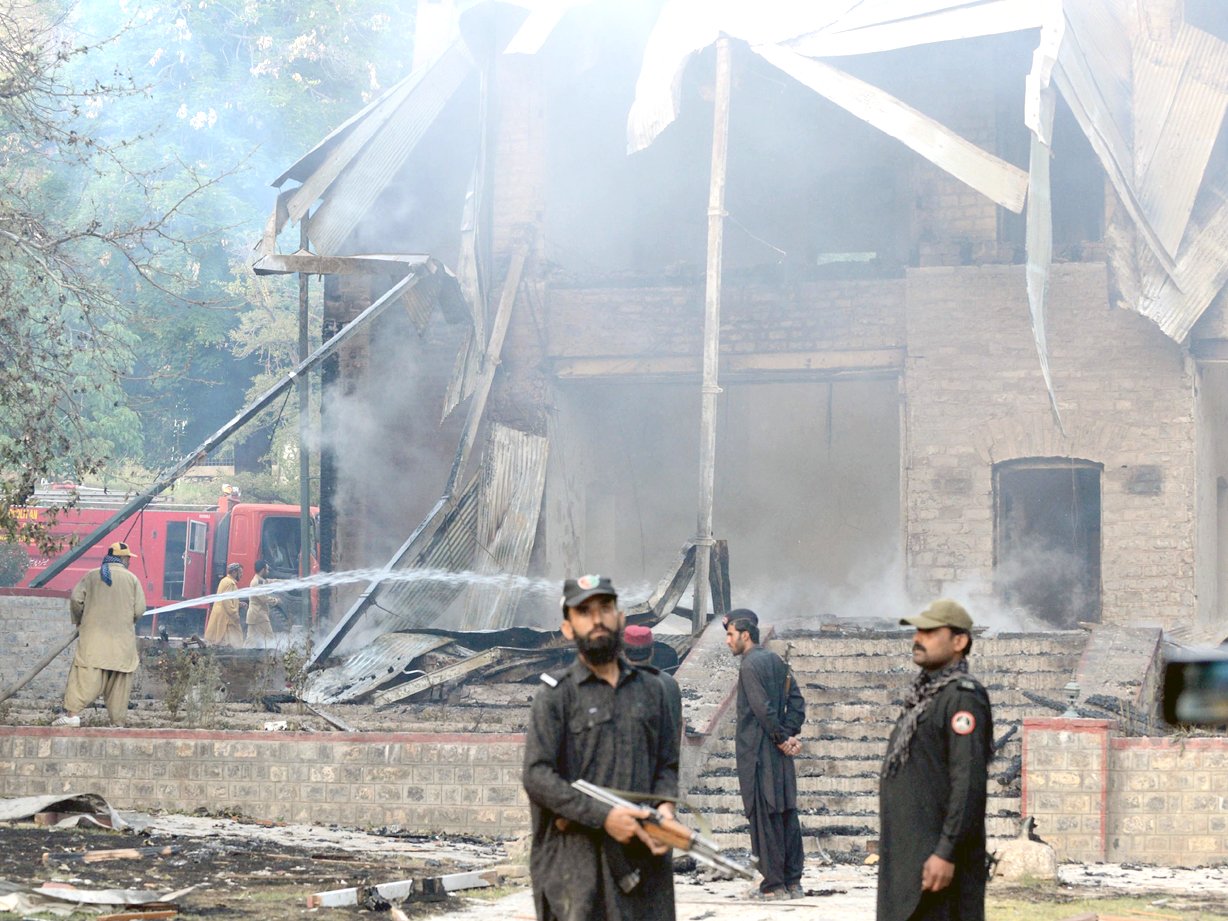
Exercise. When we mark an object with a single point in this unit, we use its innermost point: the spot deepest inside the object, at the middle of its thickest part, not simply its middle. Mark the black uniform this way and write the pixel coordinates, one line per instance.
(934, 803)
(623, 738)
(770, 710)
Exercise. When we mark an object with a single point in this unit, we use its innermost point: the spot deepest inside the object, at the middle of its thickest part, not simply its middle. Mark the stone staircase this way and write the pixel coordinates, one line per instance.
(853, 682)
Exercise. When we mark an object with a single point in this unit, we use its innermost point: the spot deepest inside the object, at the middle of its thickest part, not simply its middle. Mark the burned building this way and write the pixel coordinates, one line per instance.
(972, 325)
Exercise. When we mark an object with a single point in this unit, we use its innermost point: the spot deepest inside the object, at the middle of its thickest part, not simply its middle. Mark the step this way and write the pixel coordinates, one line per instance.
(858, 823)
(878, 681)
(811, 803)
(896, 664)
(1039, 644)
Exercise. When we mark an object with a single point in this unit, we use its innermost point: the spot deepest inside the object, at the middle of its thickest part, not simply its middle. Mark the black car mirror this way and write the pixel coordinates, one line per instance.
(1196, 688)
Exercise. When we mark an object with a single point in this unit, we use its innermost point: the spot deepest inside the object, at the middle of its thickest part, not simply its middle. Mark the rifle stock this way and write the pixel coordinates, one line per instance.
(672, 832)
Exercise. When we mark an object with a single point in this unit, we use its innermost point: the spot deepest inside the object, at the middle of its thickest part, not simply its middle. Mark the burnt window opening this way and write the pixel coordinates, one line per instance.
(1047, 538)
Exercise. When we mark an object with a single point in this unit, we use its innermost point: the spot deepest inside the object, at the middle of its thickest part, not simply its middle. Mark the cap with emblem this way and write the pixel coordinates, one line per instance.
(578, 591)
(119, 548)
(637, 642)
(941, 613)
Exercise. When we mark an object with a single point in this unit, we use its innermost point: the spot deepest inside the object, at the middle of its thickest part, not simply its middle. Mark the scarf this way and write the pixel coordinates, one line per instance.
(106, 566)
(923, 690)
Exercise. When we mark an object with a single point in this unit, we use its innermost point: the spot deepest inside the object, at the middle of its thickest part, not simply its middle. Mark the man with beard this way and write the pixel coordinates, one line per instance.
(607, 722)
(766, 744)
(932, 789)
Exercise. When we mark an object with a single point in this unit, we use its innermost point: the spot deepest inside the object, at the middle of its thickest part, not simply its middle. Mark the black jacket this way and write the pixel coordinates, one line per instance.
(935, 804)
(624, 738)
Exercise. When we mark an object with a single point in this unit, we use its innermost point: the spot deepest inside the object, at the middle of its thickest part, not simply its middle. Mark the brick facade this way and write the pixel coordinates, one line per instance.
(975, 397)
(454, 783)
(1100, 797)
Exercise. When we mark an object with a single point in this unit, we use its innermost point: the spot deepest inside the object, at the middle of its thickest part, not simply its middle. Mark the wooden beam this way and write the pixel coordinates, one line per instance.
(439, 676)
(757, 363)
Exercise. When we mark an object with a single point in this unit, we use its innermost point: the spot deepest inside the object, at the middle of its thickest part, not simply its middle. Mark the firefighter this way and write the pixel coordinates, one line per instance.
(105, 605)
(259, 627)
(224, 627)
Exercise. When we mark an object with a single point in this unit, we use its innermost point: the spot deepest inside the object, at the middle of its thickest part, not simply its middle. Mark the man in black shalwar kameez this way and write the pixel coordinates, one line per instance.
(766, 743)
(610, 723)
(932, 789)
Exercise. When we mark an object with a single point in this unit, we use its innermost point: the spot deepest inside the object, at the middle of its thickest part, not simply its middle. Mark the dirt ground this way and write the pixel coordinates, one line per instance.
(254, 871)
(239, 871)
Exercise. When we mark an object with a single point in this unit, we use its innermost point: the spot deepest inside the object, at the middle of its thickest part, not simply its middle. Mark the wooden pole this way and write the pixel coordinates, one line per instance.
(304, 427)
(38, 667)
(712, 332)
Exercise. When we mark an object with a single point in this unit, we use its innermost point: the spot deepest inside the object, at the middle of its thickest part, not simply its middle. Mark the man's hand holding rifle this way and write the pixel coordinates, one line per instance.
(659, 830)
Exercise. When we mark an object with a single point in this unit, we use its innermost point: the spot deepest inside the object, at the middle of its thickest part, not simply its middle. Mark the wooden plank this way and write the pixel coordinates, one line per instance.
(406, 889)
(123, 853)
(141, 915)
(833, 360)
(439, 676)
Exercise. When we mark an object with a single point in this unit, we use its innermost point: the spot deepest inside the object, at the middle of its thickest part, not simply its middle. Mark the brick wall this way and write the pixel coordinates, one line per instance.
(30, 622)
(427, 783)
(668, 319)
(1097, 796)
(975, 397)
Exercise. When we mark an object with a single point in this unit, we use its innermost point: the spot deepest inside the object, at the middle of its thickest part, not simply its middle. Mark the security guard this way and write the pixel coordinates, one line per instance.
(932, 792)
(611, 724)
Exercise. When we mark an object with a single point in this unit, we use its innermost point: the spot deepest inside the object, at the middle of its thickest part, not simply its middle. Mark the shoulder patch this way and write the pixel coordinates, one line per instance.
(550, 680)
(962, 723)
(966, 684)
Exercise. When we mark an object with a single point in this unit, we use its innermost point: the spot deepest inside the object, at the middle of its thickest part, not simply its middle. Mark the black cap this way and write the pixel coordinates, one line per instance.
(577, 591)
(741, 614)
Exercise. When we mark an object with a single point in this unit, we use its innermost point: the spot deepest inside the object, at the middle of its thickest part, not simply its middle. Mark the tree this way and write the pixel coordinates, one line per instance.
(72, 260)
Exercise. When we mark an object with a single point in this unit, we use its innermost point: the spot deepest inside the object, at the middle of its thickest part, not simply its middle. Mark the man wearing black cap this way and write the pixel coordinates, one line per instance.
(932, 789)
(607, 722)
(770, 715)
(105, 605)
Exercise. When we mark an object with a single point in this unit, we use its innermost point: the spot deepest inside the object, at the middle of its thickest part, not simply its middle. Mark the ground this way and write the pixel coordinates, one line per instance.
(239, 870)
(254, 871)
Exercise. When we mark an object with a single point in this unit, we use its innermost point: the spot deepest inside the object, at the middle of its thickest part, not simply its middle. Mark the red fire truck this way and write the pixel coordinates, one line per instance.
(182, 550)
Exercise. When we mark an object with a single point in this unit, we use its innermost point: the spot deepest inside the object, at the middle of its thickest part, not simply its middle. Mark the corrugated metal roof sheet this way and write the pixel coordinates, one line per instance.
(1175, 305)
(378, 662)
(512, 479)
(373, 166)
(1180, 95)
(374, 114)
(406, 605)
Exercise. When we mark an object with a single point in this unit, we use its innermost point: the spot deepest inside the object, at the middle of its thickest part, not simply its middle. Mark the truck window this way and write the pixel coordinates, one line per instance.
(279, 545)
(176, 543)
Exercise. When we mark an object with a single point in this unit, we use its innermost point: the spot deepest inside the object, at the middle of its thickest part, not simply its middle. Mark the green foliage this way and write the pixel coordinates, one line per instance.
(14, 560)
(136, 144)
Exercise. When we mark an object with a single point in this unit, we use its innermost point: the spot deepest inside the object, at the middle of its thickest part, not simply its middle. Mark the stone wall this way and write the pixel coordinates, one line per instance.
(975, 397)
(1100, 797)
(31, 621)
(457, 783)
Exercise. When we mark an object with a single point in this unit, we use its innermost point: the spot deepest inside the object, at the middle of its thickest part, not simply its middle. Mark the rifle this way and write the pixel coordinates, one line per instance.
(675, 834)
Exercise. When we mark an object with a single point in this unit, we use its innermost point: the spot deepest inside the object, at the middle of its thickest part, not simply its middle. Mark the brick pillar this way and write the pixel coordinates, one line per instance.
(1066, 784)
